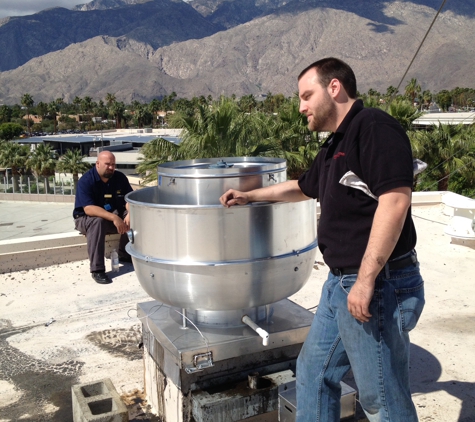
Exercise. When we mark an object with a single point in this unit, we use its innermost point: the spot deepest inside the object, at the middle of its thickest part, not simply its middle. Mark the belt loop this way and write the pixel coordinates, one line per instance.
(386, 270)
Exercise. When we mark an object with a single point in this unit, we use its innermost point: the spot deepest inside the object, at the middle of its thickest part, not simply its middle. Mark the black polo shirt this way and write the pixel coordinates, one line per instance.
(93, 191)
(375, 147)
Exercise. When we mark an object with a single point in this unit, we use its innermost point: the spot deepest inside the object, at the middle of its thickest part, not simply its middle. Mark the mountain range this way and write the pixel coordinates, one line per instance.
(144, 49)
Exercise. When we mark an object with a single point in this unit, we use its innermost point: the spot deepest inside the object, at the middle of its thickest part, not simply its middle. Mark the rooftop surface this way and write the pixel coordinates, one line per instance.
(21, 219)
(95, 333)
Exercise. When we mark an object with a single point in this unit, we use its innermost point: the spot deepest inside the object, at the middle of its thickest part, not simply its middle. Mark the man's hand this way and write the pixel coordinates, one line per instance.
(359, 299)
(286, 191)
(121, 225)
(234, 197)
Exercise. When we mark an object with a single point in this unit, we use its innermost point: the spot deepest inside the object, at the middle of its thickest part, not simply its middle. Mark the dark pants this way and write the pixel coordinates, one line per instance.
(95, 230)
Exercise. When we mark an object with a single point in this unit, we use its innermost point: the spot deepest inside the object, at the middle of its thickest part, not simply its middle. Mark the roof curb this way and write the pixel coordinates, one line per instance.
(44, 251)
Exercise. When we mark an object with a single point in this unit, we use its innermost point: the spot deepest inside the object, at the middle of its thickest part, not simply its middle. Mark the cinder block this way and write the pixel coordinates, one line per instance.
(98, 402)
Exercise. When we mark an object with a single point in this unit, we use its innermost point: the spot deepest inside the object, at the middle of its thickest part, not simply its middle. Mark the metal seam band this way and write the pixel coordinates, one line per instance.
(145, 258)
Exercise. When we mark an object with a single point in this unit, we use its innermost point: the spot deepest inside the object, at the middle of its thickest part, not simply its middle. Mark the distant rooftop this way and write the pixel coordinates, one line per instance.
(139, 136)
(95, 139)
(466, 118)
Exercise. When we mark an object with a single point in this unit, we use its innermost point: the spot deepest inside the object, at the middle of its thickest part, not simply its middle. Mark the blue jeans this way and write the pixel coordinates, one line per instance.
(377, 351)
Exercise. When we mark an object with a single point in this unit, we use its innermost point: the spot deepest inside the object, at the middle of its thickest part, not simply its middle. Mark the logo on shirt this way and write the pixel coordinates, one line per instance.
(340, 154)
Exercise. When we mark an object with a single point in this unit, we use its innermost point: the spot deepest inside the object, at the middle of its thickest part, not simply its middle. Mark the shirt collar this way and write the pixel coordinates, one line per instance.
(354, 110)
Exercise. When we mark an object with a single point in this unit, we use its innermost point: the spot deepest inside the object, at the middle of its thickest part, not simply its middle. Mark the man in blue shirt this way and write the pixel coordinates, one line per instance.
(100, 209)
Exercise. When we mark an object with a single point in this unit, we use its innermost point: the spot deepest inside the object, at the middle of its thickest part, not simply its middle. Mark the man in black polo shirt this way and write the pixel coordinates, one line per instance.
(100, 208)
(374, 293)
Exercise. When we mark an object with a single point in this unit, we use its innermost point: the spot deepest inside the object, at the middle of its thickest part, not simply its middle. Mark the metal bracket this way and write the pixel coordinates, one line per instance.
(201, 361)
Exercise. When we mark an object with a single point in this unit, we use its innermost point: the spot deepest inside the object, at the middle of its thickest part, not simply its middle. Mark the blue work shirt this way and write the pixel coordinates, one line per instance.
(93, 191)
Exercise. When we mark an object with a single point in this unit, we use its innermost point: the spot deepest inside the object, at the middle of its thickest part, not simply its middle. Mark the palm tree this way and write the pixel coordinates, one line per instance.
(53, 112)
(14, 156)
(247, 103)
(141, 114)
(153, 107)
(391, 92)
(110, 99)
(404, 112)
(413, 89)
(100, 109)
(169, 99)
(295, 142)
(444, 99)
(153, 153)
(5, 113)
(447, 149)
(370, 101)
(43, 163)
(72, 162)
(426, 98)
(77, 104)
(42, 110)
(118, 110)
(220, 131)
(87, 106)
(373, 93)
(27, 101)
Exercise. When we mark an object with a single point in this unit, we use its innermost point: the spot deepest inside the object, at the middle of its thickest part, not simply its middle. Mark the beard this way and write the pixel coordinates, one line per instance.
(108, 174)
(323, 115)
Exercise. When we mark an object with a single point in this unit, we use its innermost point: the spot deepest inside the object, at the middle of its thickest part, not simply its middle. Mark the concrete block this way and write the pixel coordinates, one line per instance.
(98, 402)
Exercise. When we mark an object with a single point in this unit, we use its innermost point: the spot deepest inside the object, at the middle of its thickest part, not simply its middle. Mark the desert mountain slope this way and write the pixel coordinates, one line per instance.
(260, 56)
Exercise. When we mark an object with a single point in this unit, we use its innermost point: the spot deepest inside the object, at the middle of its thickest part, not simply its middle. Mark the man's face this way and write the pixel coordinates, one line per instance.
(105, 166)
(316, 103)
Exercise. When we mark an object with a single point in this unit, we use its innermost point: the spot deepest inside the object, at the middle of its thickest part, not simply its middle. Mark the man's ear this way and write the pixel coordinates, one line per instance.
(334, 87)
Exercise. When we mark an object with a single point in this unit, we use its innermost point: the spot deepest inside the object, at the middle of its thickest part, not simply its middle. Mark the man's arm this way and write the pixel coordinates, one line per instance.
(287, 191)
(96, 211)
(127, 217)
(387, 226)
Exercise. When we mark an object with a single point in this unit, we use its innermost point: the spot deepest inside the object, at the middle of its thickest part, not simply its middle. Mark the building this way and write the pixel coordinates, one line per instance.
(125, 143)
(431, 119)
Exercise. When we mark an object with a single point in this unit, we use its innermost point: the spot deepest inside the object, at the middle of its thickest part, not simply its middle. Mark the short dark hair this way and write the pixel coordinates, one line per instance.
(332, 68)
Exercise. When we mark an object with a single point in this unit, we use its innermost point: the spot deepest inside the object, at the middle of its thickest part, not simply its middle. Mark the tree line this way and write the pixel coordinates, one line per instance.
(116, 114)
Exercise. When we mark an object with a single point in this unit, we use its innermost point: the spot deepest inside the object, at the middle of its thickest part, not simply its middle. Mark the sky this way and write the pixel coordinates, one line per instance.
(28, 7)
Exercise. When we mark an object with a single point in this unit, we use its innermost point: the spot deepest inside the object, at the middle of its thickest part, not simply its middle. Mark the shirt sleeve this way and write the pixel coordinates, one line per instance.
(385, 155)
(308, 181)
(85, 194)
